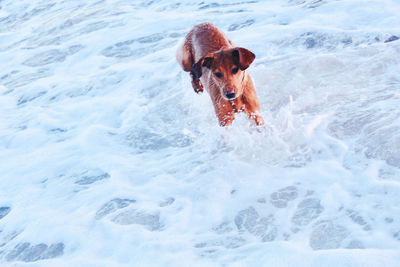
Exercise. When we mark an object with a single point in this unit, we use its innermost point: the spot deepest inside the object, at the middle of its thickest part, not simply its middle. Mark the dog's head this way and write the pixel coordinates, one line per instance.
(227, 68)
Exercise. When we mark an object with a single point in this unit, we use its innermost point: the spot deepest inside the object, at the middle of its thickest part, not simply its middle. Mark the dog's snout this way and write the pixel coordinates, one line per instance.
(230, 95)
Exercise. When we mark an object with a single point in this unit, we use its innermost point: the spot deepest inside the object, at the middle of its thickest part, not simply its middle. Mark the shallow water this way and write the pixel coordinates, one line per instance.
(108, 157)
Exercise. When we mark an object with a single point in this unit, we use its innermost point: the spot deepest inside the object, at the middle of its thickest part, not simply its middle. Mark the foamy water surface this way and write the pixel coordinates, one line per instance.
(108, 157)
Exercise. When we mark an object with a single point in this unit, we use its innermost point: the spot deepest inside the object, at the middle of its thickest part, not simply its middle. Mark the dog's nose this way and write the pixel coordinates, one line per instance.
(230, 95)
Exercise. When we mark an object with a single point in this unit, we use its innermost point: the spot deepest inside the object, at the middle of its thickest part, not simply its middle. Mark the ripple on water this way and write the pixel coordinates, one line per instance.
(31, 253)
(44, 58)
(19, 80)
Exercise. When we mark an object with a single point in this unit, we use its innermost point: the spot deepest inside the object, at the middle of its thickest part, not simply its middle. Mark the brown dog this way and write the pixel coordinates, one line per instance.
(213, 61)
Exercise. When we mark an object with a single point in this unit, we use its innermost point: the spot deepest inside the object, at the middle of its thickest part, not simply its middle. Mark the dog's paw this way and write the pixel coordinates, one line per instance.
(197, 86)
(259, 121)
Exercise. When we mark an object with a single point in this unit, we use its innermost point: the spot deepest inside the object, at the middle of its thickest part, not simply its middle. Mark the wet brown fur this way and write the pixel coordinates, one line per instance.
(205, 52)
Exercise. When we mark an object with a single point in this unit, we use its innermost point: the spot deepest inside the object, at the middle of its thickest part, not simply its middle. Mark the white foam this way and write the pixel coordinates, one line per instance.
(108, 157)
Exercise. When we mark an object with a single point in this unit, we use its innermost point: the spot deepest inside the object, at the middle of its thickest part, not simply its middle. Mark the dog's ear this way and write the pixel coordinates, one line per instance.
(242, 57)
(205, 61)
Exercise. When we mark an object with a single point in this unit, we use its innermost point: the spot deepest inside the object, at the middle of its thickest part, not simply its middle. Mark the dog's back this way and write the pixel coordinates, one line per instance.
(202, 39)
(207, 39)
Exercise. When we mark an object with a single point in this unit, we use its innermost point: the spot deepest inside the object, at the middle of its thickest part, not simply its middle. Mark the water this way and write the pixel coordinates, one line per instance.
(108, 157)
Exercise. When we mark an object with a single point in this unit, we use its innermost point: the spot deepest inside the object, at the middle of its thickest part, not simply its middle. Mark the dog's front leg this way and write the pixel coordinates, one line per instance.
(224, 112)
(253, 114)
(257, 118)
(225, 119)
(196, 83)
(252, 110)
(252, 106)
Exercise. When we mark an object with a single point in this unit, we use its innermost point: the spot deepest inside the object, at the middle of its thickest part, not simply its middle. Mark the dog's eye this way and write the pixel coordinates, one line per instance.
(235, 70)
(218, 74)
